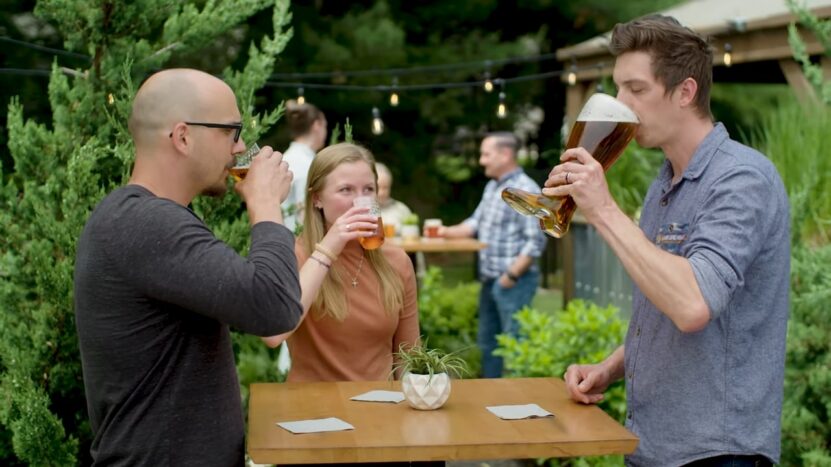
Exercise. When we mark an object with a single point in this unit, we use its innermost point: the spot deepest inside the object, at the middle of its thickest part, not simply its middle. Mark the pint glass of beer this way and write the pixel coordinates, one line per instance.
(376, 240)
(431, 228)
(243, 161)
(604, 128)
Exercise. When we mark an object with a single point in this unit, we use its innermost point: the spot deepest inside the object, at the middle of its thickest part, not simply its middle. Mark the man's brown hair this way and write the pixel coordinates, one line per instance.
(677, 53)
(301, 117)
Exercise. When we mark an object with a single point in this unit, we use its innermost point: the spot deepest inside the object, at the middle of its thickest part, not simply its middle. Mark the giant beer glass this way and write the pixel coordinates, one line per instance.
(604, 128)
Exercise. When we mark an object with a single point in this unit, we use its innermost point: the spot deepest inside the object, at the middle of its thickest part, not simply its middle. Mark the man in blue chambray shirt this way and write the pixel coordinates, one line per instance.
(703, 359)
(507, 266)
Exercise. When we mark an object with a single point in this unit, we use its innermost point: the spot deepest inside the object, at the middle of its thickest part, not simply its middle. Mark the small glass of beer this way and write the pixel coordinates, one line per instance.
(604, 128)
(431, 228)
(242, 162)
(376, 240)
(389, 230)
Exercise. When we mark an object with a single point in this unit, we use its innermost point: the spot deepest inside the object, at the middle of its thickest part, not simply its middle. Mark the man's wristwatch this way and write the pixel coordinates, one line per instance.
(511, 276)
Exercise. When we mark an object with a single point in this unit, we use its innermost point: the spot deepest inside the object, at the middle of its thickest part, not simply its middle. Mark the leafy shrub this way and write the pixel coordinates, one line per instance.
(448, 316)
(806, 413)
(796, 140)
(548, 342)
(256, 363)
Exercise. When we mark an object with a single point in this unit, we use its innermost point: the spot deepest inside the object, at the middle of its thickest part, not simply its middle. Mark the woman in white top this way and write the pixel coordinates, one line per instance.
(307, 127)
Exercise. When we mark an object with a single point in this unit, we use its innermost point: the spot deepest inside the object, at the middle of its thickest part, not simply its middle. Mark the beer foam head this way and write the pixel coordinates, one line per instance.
(605, 108)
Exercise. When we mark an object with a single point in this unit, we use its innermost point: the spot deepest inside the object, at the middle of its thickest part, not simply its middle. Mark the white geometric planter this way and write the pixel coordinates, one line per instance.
(424, 392)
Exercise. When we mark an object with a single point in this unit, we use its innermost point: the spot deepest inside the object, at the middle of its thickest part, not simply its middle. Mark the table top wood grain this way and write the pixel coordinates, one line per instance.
(439, 245)
(461, 430)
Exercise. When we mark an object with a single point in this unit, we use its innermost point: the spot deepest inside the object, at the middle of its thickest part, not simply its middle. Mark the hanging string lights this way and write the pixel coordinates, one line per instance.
(377, 123)
(338, 77)
(488, 86)
(394, 93)
(501, 108)
(571, 78)
(727, 58)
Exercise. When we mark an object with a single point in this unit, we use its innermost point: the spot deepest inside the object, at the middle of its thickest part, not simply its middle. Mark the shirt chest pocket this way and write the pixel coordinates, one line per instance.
(671, 236)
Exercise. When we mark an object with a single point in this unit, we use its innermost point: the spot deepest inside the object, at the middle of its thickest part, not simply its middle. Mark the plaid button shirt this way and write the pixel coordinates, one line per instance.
(507, 233)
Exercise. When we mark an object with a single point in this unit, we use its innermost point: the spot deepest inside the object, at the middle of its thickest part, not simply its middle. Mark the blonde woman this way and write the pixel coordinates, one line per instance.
(359, 305)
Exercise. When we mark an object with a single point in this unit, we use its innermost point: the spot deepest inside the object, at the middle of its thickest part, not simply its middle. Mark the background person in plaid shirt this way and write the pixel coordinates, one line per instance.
(507, 267)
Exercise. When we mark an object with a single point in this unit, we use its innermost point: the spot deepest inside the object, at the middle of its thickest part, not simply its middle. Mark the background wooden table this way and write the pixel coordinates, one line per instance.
(439, 245)
(461, 430)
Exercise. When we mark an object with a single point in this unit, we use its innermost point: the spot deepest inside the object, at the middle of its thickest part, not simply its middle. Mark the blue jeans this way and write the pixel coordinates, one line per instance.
(497, 306)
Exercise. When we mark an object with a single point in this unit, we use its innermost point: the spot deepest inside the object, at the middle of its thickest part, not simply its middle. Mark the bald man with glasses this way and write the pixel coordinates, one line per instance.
(156, 292)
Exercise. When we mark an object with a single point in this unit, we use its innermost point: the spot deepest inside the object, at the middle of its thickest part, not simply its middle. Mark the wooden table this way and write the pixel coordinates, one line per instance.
(461, 430)
(439, 245)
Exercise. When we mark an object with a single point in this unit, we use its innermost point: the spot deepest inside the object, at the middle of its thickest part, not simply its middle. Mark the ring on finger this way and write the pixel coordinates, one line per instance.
(567, 173)
(348, 227)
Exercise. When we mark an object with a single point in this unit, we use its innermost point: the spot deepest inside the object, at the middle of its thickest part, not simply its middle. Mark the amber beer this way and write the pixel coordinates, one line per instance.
(242, 162)
(376, 240)
(604, 128)
(239, 173)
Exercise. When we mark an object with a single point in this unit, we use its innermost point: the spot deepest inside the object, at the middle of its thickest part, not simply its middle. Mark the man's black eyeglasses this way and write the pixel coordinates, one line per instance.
(230, 126)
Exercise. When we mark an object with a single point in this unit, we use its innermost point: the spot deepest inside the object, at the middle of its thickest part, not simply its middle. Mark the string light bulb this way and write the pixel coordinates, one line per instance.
(728, 55)
(488, 81)
(110, 99)
(571, 77)
(377, 123)
(301, 99)
(501, 109)
(394, 94)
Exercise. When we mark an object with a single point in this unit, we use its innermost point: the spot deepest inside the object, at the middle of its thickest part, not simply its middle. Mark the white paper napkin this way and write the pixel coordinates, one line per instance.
(316, 426)
(518, 412)
(380, 396)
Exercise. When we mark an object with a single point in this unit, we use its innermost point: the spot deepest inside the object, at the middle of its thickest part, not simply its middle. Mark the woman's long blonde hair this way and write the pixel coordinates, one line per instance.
(331, 299)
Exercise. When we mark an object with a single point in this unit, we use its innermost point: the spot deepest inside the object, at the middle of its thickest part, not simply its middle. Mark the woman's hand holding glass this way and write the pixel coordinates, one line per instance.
(355, 223)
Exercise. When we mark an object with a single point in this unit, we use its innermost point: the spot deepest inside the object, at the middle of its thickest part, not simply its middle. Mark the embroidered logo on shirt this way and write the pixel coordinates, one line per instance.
(671, 236)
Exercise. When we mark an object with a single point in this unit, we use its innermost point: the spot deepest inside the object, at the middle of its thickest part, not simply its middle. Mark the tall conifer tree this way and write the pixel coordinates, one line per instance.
(63, 167)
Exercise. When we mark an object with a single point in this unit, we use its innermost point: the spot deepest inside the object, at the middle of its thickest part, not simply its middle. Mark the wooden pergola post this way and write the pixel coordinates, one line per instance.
(803, 90)
(576, 96)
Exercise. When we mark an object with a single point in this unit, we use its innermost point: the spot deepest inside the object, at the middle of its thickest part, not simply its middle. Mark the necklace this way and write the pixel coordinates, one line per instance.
(355, 277)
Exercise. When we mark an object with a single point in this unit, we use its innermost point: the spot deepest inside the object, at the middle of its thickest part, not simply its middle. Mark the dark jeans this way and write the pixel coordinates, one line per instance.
(497, 306)
(732, 461)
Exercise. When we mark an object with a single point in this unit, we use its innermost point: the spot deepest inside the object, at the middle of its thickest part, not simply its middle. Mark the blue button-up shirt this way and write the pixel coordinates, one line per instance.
(507, 233)
(719, 390)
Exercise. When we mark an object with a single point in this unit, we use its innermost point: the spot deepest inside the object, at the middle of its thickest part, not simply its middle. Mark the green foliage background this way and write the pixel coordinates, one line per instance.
(57, 171)
(550, 340)
(66, 146)
(448, 317)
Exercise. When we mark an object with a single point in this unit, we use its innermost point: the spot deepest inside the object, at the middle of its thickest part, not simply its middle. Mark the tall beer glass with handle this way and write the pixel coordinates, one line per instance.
(604, 128)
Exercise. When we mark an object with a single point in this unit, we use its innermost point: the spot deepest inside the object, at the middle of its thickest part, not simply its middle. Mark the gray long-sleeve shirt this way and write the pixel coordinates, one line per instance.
(155, 294)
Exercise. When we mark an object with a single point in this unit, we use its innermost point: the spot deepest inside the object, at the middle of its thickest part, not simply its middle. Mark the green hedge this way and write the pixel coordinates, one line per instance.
(548, 342)
(448, 316)
(806, 414)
